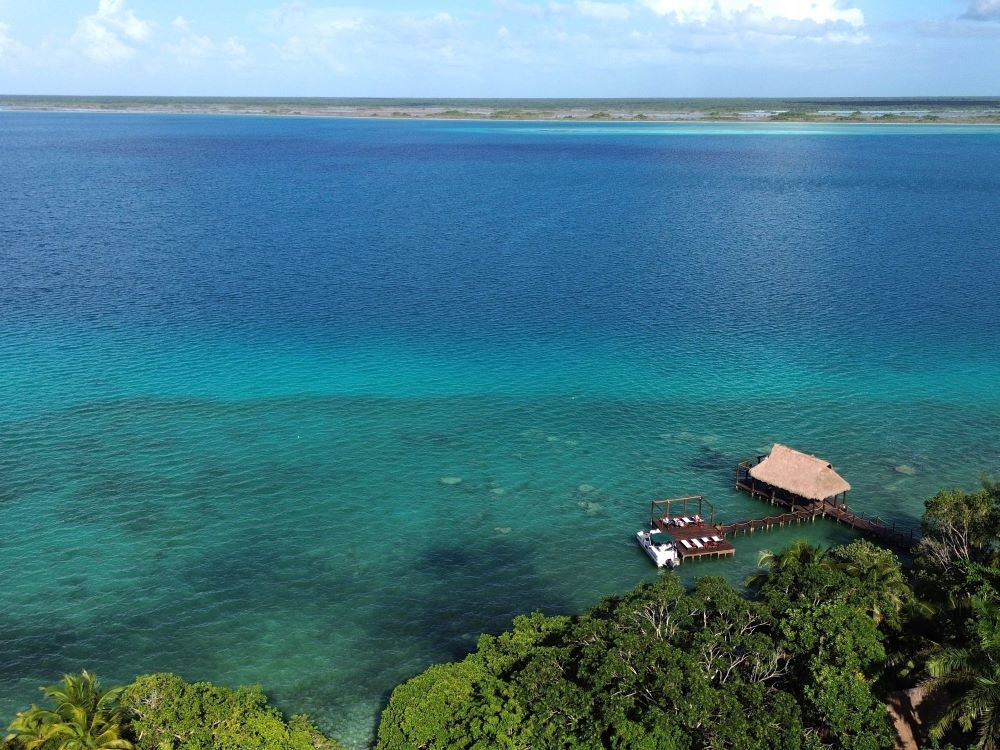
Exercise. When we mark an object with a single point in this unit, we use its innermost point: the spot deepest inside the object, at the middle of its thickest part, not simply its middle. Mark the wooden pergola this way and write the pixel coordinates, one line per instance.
(695, 539)
(666, 510)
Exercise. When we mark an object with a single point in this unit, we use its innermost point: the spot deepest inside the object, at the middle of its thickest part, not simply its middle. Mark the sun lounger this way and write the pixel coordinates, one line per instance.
(717, 539)
(686, 543)
(687, 520)
(706, 540)
(697, 544)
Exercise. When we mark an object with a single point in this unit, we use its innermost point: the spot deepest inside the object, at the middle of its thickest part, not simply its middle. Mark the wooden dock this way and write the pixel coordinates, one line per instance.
(699, 531)
(805, 487)
(801, 512)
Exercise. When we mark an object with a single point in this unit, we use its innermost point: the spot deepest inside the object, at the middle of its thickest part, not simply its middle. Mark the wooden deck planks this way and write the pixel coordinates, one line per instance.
(697, 531)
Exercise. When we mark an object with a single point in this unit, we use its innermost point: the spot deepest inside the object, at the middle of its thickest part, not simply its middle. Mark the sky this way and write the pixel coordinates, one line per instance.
(501, 48)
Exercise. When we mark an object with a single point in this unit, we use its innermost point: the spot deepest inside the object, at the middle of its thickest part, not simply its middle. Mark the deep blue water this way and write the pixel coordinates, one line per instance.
(238, 356)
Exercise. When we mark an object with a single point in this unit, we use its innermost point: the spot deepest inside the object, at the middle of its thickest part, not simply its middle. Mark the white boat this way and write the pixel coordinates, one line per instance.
(663, 553)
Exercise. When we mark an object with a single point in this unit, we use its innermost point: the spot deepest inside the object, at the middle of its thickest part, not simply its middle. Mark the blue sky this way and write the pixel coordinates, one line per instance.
(501, 47)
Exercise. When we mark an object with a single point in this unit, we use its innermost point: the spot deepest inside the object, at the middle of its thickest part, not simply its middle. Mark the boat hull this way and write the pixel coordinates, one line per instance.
(663, 554)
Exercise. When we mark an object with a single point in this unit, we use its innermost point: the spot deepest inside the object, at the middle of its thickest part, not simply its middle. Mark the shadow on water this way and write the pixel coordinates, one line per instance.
(463, 590)
(713, 461)
(470, 589)
(39, 650)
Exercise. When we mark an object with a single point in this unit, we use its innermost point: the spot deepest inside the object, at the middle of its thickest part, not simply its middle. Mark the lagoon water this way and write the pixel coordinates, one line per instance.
(245, 361)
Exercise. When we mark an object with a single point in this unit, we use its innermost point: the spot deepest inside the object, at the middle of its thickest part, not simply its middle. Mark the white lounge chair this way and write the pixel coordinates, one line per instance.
(687, 520)
(717, 539)
(686, 543)
(697, 544)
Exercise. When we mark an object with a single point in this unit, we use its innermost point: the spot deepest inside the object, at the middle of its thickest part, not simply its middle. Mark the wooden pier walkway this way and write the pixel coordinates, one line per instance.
(871, 526)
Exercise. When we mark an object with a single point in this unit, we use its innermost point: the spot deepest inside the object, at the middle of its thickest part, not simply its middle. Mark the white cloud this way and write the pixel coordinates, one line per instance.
(758, 12)
(11, 50)
(110, 34)
(539, 10)
(437, 25)
(983, 10)
(320, 35)
(235, 49)
(603, 11)
(357, 39)
(951, 29)
(516, 6)
(189, 47)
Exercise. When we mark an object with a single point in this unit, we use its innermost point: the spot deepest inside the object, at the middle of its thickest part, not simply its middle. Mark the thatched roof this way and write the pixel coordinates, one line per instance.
(799, 473)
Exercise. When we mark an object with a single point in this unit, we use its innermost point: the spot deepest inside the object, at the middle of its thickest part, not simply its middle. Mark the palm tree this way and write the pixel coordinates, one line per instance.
(28, 728)
(974, 686)
(880, 577)
(84, 718)
(969, 678)
(798, 554)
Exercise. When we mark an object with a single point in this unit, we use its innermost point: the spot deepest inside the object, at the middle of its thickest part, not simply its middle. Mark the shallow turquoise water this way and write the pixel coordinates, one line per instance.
(239, 356)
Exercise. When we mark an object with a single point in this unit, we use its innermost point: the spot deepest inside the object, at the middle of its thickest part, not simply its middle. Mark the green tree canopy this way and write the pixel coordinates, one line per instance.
(659, 667)
(171, 714)
(960, 527)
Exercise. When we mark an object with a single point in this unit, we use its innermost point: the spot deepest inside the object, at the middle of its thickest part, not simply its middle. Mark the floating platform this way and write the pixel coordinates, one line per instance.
(697, 539)
(692, 536)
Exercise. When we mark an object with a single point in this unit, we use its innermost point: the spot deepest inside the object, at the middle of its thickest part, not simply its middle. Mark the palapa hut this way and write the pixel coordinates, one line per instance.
(793, 478)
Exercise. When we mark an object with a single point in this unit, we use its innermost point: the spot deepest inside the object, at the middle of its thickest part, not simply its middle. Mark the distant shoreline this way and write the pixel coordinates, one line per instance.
(935, 111)
(694, 119)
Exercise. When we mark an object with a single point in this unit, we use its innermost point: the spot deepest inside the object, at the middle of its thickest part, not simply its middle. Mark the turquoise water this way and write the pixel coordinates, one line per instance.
(240, 355)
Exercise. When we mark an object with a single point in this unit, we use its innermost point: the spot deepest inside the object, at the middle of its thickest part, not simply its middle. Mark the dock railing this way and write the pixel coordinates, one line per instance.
(802, 509)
